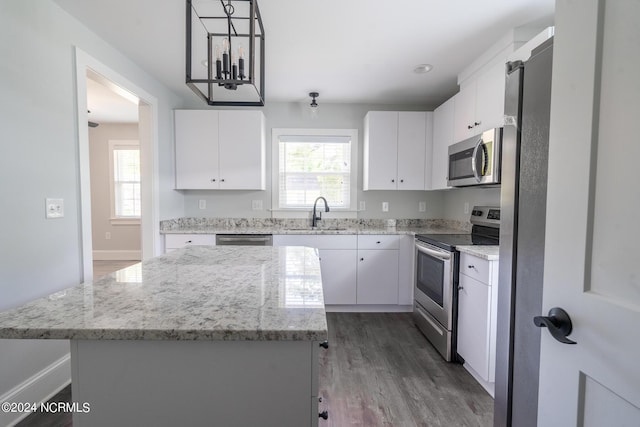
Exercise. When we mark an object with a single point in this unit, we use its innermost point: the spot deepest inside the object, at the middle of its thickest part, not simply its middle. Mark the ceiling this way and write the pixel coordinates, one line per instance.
(355, 51)
(107, 104)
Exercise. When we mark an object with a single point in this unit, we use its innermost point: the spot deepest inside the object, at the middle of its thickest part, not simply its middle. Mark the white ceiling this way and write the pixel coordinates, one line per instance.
(105, 105)
(351, 51)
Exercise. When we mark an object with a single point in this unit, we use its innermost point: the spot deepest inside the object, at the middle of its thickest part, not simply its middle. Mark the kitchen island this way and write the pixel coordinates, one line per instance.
(219, 336)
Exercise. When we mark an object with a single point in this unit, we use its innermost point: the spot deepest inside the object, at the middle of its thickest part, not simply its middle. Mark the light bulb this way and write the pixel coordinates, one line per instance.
(225, 45)
(241, 52)
(217, 52)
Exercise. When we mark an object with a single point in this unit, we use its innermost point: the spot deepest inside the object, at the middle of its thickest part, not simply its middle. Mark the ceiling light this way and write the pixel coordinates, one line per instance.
(423, 68)
(227, 37)
(313, 107)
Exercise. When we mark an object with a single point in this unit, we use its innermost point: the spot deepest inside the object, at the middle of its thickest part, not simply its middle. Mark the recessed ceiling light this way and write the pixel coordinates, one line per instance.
(423, 68)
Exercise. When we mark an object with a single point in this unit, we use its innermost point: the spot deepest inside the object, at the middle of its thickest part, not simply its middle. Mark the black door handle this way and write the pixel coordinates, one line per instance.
(559, 324)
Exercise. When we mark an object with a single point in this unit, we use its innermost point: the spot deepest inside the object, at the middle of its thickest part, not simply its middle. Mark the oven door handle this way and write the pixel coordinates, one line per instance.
(432, 252)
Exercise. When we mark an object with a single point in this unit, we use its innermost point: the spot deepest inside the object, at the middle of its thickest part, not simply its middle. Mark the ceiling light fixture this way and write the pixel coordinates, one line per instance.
(217, 34)
(423, 68)
(313, 96)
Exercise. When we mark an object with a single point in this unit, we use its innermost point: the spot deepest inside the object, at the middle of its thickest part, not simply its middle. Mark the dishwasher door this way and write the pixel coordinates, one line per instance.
(244, 239)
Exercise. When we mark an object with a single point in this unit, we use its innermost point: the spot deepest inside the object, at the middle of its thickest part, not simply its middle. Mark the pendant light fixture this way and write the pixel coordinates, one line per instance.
(225, 52)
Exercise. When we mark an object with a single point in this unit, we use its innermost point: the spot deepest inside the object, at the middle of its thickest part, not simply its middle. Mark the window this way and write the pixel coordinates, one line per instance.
(309, 163)
(124, 160)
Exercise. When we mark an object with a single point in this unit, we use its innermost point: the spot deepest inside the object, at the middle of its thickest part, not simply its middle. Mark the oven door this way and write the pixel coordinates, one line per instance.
(434, 282)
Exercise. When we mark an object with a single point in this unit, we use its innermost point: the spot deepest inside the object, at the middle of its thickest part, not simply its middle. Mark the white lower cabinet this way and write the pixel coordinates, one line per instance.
(377, 276)
(477, 309)
(338, 275)
(177, 241)
(360, 269)
(378, 269)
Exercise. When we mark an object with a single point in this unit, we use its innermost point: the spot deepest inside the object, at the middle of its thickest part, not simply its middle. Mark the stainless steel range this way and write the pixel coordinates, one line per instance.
(436, 280)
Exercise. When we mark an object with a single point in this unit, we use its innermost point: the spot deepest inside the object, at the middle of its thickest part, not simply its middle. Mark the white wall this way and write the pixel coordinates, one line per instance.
(402, 204)
(454, 201)
(123, 237)
(39, 159)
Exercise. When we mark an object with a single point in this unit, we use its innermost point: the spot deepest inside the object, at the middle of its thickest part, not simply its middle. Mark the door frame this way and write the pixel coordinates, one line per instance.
(148, 134)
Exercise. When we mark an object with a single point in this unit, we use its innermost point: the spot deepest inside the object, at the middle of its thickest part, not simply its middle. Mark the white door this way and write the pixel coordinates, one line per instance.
(593, 211)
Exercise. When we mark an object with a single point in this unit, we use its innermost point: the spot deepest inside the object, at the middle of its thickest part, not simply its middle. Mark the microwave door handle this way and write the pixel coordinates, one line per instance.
(485, 159)
(474, 165)
(437, 254)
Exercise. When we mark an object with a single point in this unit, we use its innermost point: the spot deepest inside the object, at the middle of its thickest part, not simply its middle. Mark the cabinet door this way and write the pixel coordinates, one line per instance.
(377, 276)
(490, 98)
(473, 324)
(381, 150)
(412, 140)
(442, 138)
(196, 144)
(242, 150)
(338, 267)
(464, 113)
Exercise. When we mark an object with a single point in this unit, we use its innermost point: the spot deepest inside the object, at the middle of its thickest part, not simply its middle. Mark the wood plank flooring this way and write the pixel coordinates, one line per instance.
(101, 268)
(378, 371)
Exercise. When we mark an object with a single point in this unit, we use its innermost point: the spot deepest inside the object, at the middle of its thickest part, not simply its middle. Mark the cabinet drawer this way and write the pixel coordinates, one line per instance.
(476, 268)
(173, 241)
(378, 241)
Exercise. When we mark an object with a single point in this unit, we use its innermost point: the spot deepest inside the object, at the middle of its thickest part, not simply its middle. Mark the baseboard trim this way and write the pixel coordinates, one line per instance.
(368, 308)
(39, 388)
(111, 255)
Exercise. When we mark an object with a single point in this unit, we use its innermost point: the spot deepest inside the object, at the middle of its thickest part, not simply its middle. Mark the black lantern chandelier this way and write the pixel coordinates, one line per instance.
(225, 52)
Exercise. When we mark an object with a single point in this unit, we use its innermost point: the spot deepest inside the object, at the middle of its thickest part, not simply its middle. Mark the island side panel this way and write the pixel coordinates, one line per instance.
(169, 383)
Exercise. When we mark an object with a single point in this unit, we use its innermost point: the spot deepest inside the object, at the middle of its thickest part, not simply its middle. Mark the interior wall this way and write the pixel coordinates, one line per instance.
(122, 237)
(402, 204)
(454, 201)
(38, 118)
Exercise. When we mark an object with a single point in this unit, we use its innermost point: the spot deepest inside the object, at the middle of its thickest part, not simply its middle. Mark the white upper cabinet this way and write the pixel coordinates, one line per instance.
(479, 105)
(218, 149)
(242, 150)
(442, 138)
(395, 150)
(196, 139)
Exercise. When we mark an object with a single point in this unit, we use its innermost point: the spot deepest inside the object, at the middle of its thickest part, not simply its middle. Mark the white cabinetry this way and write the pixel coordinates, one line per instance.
(217, 149)
(177, 241)
(477, 308)
(378, 269)
(442, 138)
(395, 149)
(480, 103)
(337, 263)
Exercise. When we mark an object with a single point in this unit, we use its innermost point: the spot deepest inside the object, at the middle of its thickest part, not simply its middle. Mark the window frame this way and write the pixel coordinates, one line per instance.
(130, 144)
(280, 212)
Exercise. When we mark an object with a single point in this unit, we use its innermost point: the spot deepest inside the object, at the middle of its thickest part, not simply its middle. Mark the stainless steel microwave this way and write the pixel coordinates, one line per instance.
(476, 161)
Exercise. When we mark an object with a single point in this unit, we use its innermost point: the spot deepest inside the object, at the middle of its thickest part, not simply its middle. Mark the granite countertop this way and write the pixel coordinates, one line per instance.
(330, 226)
(490, 253)
(195, 293)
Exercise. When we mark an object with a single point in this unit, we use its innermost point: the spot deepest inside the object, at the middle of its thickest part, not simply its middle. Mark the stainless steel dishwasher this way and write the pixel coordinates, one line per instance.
(244, 239)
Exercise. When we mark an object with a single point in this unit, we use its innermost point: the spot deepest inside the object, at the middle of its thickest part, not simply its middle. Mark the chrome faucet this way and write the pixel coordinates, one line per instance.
(318, 216)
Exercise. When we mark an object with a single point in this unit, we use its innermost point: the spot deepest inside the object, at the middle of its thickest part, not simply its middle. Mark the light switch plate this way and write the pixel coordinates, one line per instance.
(385, 206)
(202, 204)
(422, 206)
(54, 208)
(363, 205)
(256, 205)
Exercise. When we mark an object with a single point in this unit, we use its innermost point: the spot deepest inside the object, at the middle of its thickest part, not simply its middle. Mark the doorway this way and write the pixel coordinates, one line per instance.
(88, 72)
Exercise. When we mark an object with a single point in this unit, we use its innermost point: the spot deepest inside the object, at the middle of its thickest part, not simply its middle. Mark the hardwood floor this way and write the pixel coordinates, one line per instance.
(378, 371)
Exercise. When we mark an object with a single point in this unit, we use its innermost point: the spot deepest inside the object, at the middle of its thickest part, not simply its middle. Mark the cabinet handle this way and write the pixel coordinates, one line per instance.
(213, 180)
(393, 180)
(460, 288)
(188, 241)
(402, 180)
(324, 415)
(222, 180)
(361, 259)
(471, 266)
(378, 242)
(477, 124)
(324, 344)
(469, 127)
